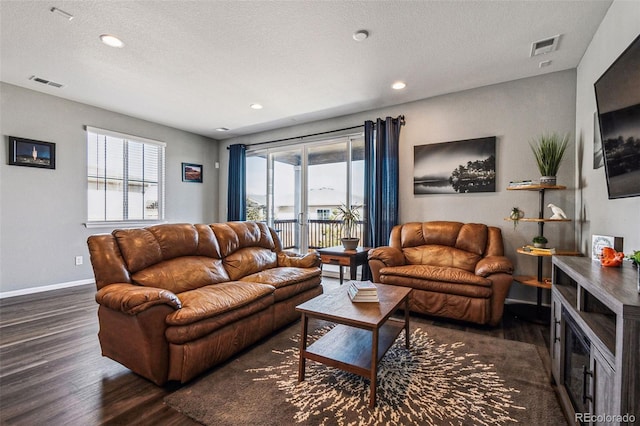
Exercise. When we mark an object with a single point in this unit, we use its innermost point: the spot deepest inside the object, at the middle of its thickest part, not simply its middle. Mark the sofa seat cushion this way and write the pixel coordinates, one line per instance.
(288, 281)
(182, 274)
(212, 300)
(182, 334)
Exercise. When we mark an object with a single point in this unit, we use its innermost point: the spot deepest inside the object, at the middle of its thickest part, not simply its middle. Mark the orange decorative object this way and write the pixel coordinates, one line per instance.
(610, 257)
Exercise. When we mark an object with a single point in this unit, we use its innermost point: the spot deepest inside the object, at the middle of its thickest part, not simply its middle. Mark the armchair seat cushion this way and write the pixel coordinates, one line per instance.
(216, 299)
(439, 287)
(436, 273)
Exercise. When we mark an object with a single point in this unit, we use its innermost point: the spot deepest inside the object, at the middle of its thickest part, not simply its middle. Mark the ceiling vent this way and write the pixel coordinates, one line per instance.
(45, 81)
(544, 46)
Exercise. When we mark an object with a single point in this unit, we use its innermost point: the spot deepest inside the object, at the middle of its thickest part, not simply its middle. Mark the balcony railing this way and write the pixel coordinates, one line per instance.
(321, 233)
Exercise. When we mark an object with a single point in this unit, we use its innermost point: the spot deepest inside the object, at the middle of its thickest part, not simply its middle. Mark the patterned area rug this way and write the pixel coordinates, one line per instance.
(446, 377)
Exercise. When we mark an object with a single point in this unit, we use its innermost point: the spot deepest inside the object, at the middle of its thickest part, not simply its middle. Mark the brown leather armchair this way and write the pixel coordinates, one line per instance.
(456, 270)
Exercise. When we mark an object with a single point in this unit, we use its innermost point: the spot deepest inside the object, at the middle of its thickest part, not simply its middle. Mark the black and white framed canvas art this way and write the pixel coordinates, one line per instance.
(455, 167)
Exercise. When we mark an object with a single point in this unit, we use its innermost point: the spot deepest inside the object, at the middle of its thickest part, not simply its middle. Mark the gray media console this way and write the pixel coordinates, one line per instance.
(595, 340)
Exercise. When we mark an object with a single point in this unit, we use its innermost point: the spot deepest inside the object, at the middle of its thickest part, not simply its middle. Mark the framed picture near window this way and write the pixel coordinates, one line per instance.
(32, 153)
(191, 172)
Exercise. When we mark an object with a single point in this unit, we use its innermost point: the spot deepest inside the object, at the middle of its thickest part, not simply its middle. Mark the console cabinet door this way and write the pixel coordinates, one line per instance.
(556, 336)
(603, 387)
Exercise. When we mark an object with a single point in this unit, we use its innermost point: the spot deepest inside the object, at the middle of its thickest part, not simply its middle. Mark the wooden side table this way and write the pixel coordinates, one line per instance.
(338, 255)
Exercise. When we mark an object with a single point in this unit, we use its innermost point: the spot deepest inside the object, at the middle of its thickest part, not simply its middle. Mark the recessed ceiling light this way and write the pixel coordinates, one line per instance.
(544, 64)
(111, 40)
(398, 85)
(222, 129)
(360, 35)
(256, 106)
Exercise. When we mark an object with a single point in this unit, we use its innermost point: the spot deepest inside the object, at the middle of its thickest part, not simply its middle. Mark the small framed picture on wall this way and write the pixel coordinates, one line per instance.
(32, 153)
(191, 172)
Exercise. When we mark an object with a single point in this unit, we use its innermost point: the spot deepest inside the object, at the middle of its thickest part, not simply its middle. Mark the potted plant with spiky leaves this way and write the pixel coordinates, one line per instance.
(549, 151)
(349, 215)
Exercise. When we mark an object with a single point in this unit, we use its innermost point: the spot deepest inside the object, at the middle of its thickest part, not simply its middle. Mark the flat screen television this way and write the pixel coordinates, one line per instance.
(618, 101)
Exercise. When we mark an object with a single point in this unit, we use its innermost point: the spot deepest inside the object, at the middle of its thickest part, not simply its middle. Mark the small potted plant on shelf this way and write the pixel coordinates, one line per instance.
(349, 217)
(515, 215)
(548, 151)
(540, 241)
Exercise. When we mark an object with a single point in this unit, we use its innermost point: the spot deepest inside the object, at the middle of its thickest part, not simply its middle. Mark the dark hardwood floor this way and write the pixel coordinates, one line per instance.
(52, 371)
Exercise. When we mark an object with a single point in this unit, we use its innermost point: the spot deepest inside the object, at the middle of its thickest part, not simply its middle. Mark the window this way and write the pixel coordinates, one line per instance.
(297, 187)
(125, 176)
(323, 214)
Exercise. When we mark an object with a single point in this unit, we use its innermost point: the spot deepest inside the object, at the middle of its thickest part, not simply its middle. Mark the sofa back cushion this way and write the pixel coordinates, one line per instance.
(139, 248)
(145, 247)
(179, 257)
(246, 247)
(443, 256)
(182, 274)
(443, 243)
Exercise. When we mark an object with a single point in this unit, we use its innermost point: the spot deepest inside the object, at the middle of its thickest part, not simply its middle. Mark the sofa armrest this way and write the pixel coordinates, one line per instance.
(308, 260)
(389, 256)
(383, 257)
(493, 265)
(133, 299)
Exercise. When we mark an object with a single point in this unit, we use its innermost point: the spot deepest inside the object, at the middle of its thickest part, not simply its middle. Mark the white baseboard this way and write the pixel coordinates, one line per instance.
(33, 290)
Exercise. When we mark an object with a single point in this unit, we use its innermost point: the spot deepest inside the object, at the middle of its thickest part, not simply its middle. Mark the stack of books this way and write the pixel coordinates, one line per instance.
(363, 291)
(522, 183)
(540, 250)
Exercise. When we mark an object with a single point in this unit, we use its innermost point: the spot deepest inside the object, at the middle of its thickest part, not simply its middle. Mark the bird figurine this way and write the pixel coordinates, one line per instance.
(558, 213)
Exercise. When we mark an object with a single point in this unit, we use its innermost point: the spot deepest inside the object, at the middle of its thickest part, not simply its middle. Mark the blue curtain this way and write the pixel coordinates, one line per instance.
(381, 141)
(236, 199)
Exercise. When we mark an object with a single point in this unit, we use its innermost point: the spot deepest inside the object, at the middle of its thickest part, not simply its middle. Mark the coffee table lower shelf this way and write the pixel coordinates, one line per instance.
(349, 348)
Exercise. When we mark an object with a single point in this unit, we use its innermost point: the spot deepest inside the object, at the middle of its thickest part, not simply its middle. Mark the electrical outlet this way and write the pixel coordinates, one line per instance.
(79, 260)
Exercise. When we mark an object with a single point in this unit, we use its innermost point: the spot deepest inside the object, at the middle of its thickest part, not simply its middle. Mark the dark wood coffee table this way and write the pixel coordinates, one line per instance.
(363, 334)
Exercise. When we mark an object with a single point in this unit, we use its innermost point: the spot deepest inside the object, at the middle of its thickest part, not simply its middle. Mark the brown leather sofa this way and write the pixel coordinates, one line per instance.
(456, 270)
(176, 299)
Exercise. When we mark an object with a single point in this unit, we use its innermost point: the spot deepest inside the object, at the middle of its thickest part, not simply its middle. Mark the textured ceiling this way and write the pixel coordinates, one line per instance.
(198, 65)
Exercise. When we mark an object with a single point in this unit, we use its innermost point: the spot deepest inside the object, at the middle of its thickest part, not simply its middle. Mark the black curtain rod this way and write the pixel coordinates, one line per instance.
(306, 136)
(400, 117)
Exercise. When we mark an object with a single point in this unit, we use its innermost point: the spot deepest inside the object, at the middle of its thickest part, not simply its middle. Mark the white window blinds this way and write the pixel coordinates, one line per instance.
(125, 177)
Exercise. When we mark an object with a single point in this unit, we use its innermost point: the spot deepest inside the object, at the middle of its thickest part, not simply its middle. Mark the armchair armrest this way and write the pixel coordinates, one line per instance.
(492, 265)
(308, 260)
(133, 299)
(389, 256)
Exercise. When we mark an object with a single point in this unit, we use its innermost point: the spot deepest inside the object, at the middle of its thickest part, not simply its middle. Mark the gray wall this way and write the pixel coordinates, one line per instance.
(515, 112)
(599, 215)
(42, 211)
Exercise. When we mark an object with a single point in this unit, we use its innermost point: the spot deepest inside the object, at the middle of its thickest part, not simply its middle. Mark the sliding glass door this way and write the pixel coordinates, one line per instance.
(297, 189)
